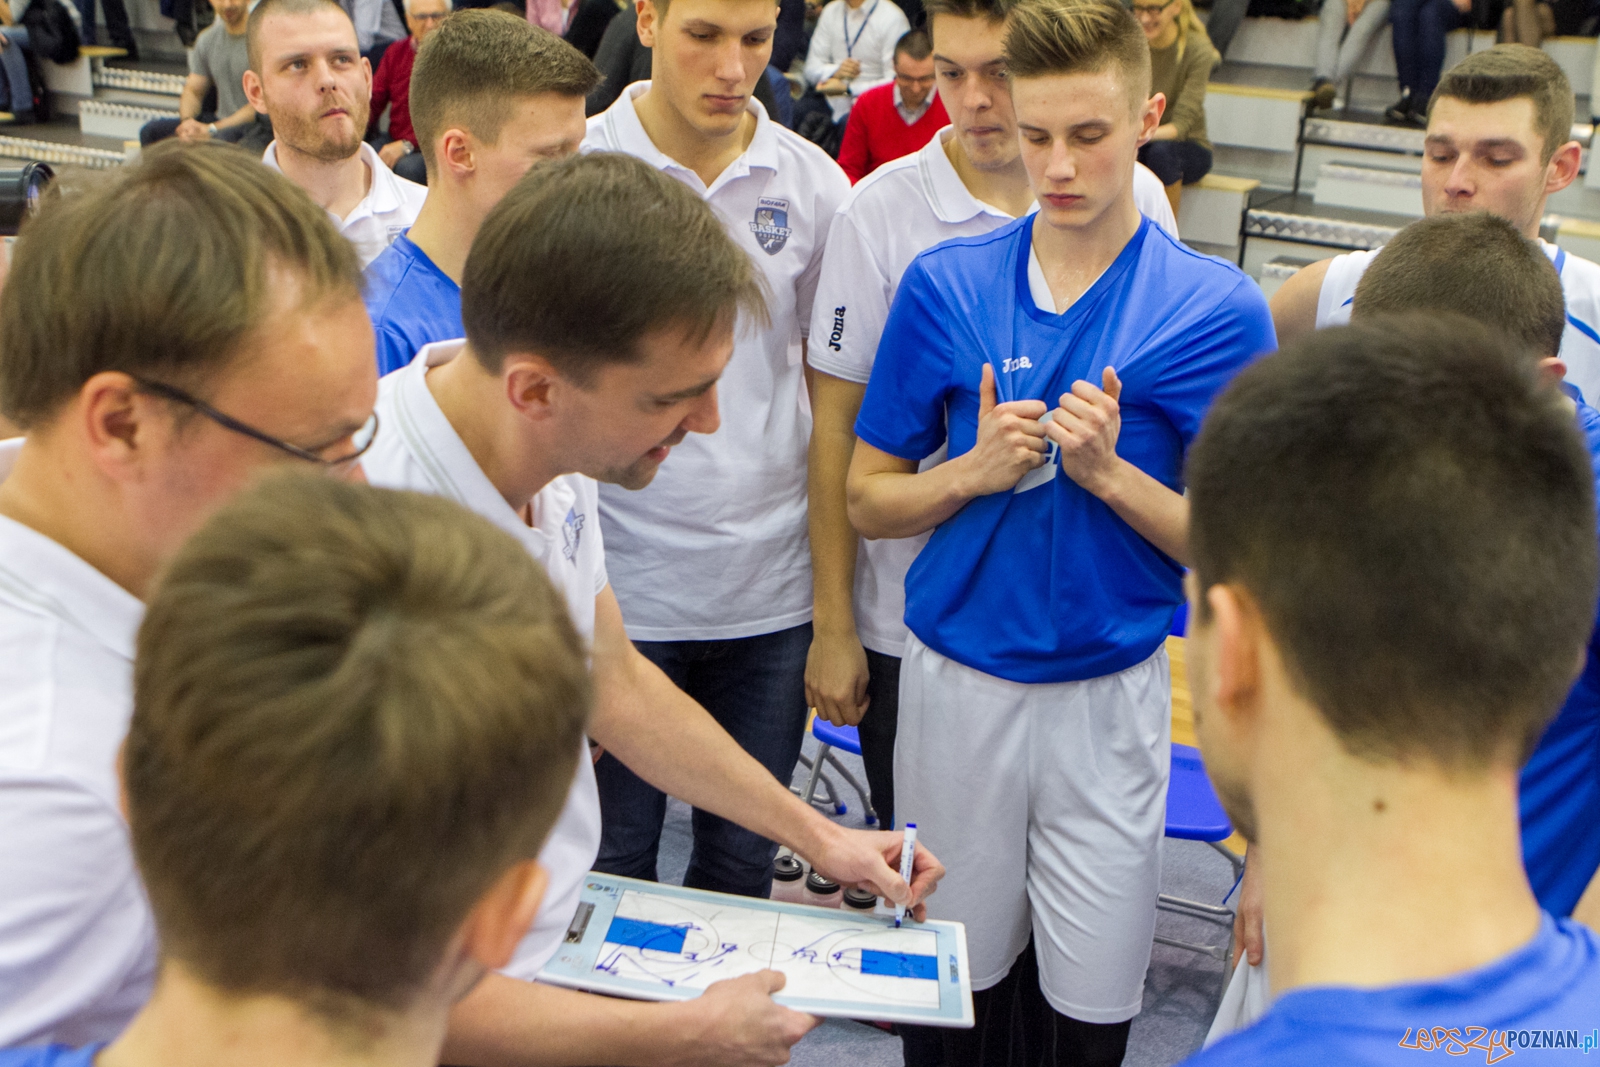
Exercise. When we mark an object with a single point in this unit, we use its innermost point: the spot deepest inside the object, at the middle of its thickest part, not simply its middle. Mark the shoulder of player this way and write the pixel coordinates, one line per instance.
(1198, 270)
(1580, 278)
(961, 251)
(798, 154)
(886, 187)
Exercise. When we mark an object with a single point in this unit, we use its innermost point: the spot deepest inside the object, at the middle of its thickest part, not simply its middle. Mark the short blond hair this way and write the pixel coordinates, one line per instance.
(1052, 37)
(354, 710)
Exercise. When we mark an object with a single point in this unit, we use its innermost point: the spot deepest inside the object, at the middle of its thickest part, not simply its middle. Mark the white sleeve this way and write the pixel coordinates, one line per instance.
(827, 45)
(77, 942)
(1151, 197)
(851, 307)
(832, 188)
(893, 27)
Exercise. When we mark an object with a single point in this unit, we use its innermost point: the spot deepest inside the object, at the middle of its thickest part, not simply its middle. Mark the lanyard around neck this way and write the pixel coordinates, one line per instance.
(851, 42)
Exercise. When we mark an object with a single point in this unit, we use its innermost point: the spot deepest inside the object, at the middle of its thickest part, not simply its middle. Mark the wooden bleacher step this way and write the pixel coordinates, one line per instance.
(1364, 188)
(102, 118)
(1253, 116)
(1213, 209)
(55, 152)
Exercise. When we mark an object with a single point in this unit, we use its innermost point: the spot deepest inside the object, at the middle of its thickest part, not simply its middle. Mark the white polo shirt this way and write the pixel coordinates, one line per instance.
(418, 449)
(387, 211)
(77, 941)
(891, 216)
(1580, 285)
(716, 546)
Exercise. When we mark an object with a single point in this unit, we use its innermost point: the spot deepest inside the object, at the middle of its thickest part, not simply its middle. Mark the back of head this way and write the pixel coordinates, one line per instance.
(988, 10)
(914, 44)
(1412, 509)
(1474, 264)
(266, 9)
(636, 252)
(478, 64)
(1508, 71)
(160, 269)
(354, 710)
(1046, 38)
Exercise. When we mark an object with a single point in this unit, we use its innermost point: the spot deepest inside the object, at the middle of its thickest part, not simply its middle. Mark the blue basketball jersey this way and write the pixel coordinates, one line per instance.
(412, 304)
(1045, 583)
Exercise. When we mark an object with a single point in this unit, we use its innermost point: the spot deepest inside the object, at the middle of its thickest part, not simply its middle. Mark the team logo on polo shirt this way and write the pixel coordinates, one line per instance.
(571, 534)
(771, 225)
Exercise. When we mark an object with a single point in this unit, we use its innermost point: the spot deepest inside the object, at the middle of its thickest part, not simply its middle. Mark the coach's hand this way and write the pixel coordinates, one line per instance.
(1086, 426)
(870, 859)
(1248, 941)
(1010, 441)
(735, 1022)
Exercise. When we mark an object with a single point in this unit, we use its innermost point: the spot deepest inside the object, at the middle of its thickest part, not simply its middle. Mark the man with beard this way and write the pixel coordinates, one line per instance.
(307, 75)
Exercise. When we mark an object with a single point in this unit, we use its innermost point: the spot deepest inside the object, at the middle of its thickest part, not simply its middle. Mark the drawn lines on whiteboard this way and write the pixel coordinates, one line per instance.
(826, 956)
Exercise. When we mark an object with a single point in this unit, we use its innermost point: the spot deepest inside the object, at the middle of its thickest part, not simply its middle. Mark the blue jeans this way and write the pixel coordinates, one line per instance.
(1420, 27)
(19, 94)
(755, 688)
(1176, 161)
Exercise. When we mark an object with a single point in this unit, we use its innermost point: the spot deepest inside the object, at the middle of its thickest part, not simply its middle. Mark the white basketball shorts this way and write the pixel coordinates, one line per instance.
(1047, 805)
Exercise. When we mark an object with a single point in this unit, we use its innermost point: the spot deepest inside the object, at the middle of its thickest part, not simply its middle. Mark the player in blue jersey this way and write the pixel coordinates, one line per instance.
(1393, 531)
(1035, 699)
(1479, 265)
(490, 97)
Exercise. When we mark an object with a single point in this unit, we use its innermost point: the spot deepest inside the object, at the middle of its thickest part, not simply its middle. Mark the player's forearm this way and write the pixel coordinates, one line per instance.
(1158, 514)
(897, 504)
(834, 542)
(509, 1023)
(670, 741)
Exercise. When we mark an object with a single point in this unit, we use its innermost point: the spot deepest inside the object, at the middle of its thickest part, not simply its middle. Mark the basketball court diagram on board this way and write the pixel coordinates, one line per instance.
(657, 942)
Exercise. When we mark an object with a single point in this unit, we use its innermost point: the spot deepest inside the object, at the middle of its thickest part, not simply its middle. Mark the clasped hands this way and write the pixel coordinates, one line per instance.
(1012, 439)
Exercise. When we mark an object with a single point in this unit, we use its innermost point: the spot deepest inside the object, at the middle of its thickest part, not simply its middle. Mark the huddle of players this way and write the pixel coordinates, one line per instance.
(1370, 662)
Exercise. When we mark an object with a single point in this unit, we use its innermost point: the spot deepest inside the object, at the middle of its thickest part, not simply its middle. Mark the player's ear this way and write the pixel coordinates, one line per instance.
(1563, 167)
(532, 384)
(503, 914)
(1238, 631)
(649, 22)
(1149, 116)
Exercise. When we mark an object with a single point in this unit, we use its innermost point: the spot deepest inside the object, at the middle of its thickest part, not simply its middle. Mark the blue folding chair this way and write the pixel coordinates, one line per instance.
(830, 737)
(1195, 814)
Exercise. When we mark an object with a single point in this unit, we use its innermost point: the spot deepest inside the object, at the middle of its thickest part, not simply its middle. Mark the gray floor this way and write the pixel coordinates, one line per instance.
(1180, 993)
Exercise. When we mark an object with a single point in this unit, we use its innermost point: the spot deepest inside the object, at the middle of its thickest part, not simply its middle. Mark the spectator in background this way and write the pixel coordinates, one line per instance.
(852, 50)
(897, 119)
(492, 96)
(588, 25)
(219, 60)
(1345, 30)
(391, 87)
(1420, 27)
(552, 15)
(116, 25)
(307, 75)
(378, 23)
(1181, 61)
(13, 64)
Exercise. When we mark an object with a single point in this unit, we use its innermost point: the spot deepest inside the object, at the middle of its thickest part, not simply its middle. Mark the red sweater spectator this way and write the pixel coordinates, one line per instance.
(391, 86)
(877, 132)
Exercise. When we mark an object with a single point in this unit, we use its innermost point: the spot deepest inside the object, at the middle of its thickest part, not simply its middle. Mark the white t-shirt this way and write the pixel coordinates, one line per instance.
(716, 547)
(1580, 284)
(891, 216)
(418, 449)
(866, 34)
(77, 940)
(387, 211)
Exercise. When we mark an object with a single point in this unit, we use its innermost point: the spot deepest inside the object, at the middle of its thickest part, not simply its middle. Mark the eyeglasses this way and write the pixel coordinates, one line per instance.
(918, 83)
(434, 16)
(1150, 10)
(362, 438)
